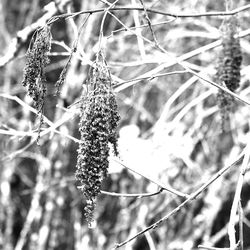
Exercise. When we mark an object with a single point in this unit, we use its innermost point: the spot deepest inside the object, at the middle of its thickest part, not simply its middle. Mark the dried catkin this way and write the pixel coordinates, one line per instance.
(63, 73)
(37, 60)
(98, 127)
(228, 69)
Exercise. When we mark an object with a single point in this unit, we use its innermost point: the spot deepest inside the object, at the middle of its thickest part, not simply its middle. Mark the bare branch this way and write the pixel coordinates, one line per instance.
(138, 196)
(158, 183)
(149, 78)
(241, 221)
(233, 213)
(177, 60)
(176, 15)
(149, 22)
(63, 73)
(189, 199)
(212, 248)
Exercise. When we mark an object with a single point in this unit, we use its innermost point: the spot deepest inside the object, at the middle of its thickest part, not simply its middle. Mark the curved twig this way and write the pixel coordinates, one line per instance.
(176, 15)
(193, 196)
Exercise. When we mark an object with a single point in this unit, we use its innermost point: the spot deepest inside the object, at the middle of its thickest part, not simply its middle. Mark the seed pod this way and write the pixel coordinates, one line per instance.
(98, 125)
(228, 69)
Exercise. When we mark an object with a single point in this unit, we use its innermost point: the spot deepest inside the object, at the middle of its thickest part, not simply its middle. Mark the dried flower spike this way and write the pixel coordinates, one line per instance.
(231, 55)
(33, 77)
(98, 125)
(228, 70)
(37, 60)
(63, 73)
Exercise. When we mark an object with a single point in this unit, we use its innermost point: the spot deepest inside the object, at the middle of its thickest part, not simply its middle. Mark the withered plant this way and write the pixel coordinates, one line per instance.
(36, 61)
(228, 69)
(178, 176)
(98, 129)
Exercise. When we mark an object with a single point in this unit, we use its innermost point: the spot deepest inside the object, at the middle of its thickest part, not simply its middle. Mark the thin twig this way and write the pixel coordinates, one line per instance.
(236, 200)
(32, 133)
(178, 61)
(148, 22)
(22, 35)
(65, 118)
(139, 27)
(106, 11)
(149, 78)
(138, 196)
(193, 196)
(63, 73)
(241, 221)
(66, 180)
(157, 182)
(83, 59)
(176, 15)
(25, 106)
(183, 57)
(138, 31)
(212, 248)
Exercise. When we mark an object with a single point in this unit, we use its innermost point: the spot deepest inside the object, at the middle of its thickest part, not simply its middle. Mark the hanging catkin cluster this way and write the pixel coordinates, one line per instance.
(228, 70)
(37, 60)
(98, 129)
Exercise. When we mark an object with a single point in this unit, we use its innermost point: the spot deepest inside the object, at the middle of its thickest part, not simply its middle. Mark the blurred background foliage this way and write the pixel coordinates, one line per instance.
(169, 131)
